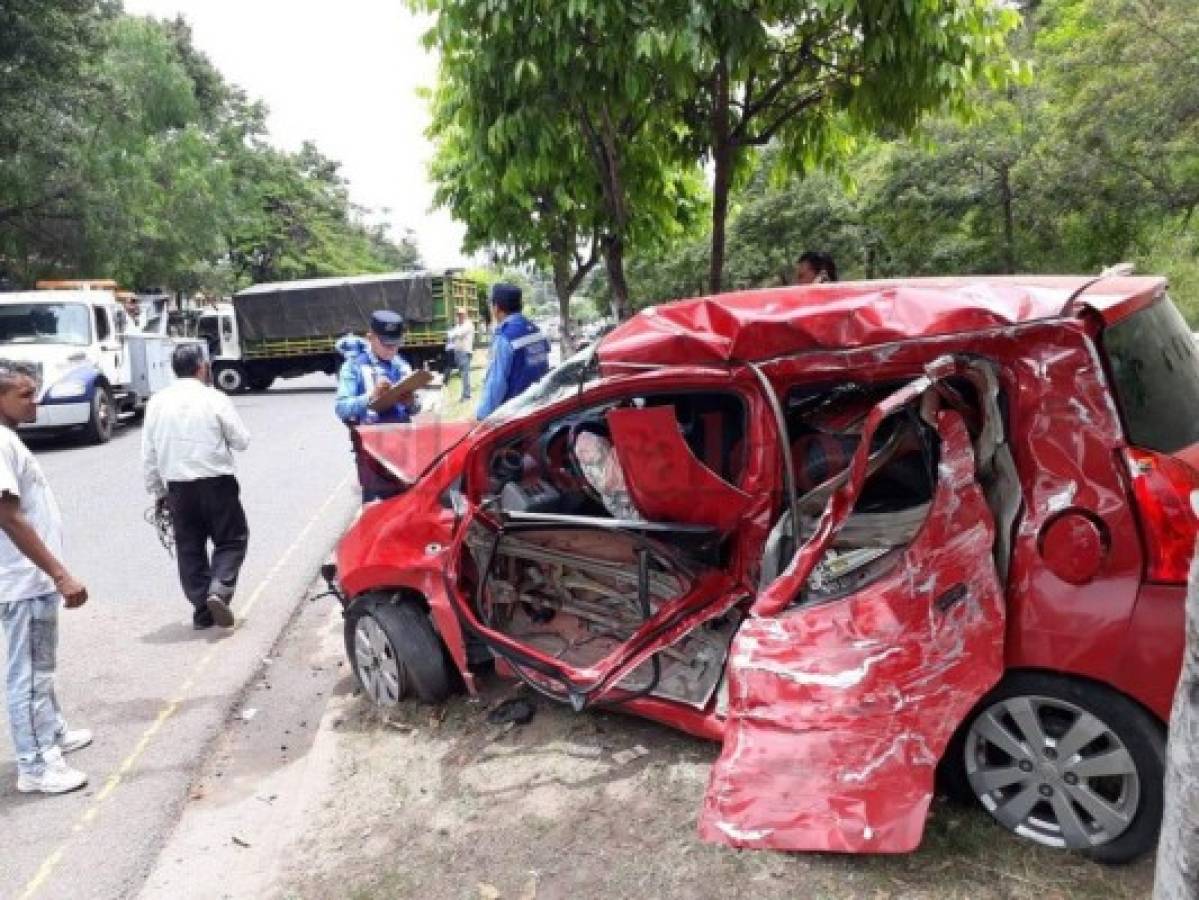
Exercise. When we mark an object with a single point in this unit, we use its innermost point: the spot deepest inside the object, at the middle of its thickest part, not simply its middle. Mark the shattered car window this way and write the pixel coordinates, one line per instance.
(1155, 366)
(573, 376)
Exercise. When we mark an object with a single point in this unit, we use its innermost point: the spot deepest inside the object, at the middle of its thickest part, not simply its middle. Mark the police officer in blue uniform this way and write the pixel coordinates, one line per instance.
(520, 353)
(364, 375)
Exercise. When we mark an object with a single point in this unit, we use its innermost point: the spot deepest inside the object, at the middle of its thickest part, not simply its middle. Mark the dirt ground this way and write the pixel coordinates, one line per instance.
(437, 803)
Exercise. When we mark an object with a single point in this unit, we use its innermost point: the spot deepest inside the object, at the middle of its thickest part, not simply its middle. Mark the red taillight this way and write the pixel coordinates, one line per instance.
(1162, 486)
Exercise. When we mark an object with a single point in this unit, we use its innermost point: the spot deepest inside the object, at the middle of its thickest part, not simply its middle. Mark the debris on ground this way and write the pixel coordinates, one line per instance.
(624, 757)
(517, 710)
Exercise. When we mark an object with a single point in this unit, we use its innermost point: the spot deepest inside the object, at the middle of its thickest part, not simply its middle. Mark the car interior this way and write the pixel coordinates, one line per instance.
(579, 566)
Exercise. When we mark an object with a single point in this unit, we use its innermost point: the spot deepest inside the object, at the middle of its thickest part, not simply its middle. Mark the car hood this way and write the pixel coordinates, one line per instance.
(407, 451)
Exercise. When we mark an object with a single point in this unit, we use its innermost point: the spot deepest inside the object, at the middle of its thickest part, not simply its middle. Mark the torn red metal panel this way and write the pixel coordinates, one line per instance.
(839, 713)
(664, 479)
(763, 324)
(407, 450)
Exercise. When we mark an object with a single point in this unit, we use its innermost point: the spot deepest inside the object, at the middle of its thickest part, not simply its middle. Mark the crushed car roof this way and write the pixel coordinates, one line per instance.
(751, 326)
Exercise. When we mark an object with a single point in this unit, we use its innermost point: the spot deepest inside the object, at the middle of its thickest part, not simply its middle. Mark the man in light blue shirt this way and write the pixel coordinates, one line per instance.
(364, 376)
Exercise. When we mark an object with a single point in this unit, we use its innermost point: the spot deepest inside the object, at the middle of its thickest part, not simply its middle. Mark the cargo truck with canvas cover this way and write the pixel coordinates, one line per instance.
(288, 328)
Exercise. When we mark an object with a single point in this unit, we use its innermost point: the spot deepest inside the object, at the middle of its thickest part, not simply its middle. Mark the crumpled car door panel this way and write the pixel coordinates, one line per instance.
(839, 713)
(665, 480)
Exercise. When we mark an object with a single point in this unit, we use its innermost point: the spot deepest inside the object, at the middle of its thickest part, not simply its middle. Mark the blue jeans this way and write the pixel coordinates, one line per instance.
(462, 364)
(31, 630)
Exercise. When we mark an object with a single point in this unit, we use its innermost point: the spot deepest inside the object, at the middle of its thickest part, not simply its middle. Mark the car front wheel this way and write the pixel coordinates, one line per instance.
(395, 652)
(1068, 764)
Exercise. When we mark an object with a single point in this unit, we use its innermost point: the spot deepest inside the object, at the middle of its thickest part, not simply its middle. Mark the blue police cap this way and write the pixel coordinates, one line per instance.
(387, 326)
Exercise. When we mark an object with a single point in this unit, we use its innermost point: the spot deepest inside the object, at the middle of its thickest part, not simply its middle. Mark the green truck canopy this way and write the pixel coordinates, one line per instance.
(288, 310)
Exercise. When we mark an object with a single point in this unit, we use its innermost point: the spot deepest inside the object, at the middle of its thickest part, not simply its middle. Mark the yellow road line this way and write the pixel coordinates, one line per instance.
(46, 869)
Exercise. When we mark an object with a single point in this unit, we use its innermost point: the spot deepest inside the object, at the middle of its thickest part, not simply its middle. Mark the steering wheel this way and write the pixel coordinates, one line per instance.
(554, 459)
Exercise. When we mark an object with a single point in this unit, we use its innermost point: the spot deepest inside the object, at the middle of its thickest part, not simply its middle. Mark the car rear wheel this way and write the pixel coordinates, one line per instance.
(395, 652)
(1067, 764)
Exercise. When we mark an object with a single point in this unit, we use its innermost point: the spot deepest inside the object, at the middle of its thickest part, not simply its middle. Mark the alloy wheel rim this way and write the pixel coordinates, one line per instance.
(379, 668)
(229, 379)
(1052, 772)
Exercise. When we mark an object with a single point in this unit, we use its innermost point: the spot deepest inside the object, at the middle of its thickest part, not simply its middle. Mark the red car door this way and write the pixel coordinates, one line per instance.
(653, 587)
(839, 712)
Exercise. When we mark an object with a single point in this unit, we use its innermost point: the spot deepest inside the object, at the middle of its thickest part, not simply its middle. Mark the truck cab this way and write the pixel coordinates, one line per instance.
(95, 363)
(217, 327)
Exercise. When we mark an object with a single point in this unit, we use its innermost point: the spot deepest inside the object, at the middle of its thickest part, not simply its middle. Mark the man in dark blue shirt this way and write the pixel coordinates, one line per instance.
(520, 353)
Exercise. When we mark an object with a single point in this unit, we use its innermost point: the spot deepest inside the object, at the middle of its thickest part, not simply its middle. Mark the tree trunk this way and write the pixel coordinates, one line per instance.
(1009, 227)
(722, 163)
(1177, 875)
(614, 260)
(564, 289)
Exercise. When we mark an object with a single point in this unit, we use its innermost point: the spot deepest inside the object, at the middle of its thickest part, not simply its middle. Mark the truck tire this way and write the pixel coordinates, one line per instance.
(230, 378)
(98, 429)
(261, 381)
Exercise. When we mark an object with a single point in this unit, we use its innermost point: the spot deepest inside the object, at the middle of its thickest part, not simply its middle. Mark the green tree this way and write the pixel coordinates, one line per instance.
(551, 101)
(45, 48)
(808, 76)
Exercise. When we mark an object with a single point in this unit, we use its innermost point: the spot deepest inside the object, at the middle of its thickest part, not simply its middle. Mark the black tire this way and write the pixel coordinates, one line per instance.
(230, 378)
(1054, 699)
(102, 419)
(410, 640)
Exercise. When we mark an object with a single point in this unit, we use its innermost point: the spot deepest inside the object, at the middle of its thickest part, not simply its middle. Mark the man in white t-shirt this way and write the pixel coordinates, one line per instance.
(33, 581)
(460, 342)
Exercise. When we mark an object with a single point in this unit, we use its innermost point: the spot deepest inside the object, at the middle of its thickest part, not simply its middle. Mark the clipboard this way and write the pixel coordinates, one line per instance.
(390, 397)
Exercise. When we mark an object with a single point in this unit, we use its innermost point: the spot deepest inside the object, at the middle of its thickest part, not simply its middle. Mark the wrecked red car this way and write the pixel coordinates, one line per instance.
(856, 532)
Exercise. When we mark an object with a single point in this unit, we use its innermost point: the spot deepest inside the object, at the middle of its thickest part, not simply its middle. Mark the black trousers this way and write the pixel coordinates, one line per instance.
(204, 510)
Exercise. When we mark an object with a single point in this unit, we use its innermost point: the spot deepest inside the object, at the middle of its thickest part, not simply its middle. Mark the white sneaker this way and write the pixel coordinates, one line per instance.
(56, 778)
(74, 739)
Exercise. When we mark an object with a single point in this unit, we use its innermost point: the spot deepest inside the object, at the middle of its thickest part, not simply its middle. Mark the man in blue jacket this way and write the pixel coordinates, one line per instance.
(520, 353)
(364, 376)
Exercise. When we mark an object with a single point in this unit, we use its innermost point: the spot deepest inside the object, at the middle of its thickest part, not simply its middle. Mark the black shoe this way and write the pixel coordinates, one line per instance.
(218, 608)
(202, 619)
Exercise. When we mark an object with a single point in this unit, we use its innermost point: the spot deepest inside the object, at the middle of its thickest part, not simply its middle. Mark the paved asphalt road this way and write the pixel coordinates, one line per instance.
(131, 668)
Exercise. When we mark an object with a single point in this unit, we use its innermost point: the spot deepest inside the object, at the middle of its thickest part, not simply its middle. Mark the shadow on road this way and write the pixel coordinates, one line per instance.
(40, 442)
(183, 633)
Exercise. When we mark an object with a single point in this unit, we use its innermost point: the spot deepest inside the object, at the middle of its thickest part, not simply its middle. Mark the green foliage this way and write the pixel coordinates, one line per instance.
(813, 77)
(1092, 161)
(550, 138)
(127, 155)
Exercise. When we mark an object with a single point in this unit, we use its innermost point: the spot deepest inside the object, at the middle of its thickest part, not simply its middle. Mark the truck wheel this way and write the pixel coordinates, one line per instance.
(230, 379)
(98, 429)
(395, 651)
(261, 382)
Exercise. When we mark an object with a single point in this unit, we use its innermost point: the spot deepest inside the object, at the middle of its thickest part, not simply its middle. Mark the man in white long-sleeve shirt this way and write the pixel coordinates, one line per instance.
(188, 439)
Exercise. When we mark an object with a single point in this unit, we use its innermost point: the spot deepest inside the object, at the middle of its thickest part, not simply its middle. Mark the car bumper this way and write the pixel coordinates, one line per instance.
(60, 415)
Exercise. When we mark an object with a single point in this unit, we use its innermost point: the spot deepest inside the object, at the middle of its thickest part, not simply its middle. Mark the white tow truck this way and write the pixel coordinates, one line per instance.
(96, 365)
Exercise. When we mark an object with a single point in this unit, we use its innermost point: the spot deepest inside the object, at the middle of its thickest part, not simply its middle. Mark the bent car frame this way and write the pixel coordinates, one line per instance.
(856, 532)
